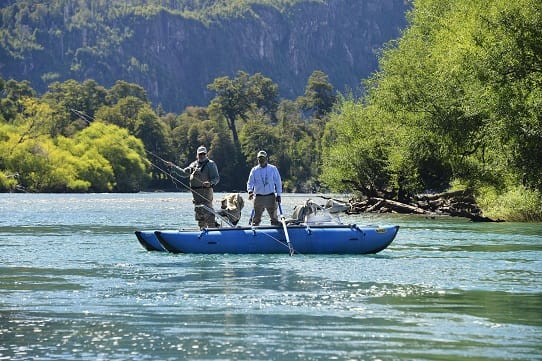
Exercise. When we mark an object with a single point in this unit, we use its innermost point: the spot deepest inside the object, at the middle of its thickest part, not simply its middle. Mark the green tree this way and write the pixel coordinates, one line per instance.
(357, 151)
(456, 101)
(299, 158)
(34, 121)
(152, 131)
(124, 152)
(123, 114)
(509, 60)
(223, 152)
(91, 166)
(257, 135)
(13, 92)
(319, 97)
(75, 104)
(9, 138)
(155, 136)
(263, 94)
(123, 89)
(238, 101)
(183, 140)
(231, 100)
(236, 97)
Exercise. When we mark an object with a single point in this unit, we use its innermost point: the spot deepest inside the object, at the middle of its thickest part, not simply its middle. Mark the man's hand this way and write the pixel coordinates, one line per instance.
(277, 199)
(207, 184)
(250, 196)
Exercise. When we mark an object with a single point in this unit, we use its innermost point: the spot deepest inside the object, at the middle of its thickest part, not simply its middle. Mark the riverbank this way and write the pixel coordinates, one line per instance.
(455, 203)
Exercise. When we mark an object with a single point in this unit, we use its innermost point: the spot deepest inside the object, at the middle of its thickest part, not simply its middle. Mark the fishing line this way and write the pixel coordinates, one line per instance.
(288, 244)
(89, 119)
(290, 247)
(175, 180)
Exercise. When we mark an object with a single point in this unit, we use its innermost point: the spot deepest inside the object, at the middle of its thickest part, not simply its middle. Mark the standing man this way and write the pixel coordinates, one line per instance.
(265, 187)
(203, 177)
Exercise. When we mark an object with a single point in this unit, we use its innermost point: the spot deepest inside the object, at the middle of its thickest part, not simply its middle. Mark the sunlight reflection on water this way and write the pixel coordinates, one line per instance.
(75, 284)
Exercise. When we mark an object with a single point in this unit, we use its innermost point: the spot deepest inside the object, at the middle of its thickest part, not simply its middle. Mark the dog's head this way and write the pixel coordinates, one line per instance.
(232, 201)
(223, 203)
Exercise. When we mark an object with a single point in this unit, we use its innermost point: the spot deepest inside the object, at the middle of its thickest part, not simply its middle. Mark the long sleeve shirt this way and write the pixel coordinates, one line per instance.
(264, 180)
(200, 172)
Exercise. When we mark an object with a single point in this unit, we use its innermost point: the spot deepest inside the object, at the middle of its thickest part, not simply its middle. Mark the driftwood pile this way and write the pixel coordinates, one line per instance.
(456, 204)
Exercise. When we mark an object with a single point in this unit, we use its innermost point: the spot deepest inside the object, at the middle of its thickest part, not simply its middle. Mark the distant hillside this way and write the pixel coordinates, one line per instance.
(175, 52)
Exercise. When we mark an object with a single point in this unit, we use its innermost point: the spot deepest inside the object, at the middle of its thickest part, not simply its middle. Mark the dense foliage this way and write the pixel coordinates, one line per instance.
(81, 137)
(457, 102)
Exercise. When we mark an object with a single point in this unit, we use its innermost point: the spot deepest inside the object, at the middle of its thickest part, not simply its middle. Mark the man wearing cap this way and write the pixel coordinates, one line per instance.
(265, 187)
(203, 177)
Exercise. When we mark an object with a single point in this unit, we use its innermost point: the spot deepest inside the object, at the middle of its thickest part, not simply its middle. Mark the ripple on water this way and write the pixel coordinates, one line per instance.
(75, 284)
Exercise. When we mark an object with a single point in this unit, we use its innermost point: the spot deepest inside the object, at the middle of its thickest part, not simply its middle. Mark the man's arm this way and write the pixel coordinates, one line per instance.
(278, 182)
(183, 172)
(214, 177)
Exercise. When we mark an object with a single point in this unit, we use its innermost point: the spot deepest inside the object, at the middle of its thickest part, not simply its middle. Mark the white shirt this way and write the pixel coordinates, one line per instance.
(264, 180)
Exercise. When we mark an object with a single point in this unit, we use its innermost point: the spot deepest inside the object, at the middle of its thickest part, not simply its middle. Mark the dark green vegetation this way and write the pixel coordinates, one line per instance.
(457, 103)
(81, 137)
(174, 48)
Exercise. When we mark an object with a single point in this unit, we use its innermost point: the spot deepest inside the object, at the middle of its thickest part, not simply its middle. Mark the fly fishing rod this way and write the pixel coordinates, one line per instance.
(176, 181)
(89, 119)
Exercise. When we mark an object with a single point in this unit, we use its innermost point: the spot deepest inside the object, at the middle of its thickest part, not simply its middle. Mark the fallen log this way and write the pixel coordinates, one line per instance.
(402, 207)
(376, 206)
(382, 205)
(449, 194)
(455, 204)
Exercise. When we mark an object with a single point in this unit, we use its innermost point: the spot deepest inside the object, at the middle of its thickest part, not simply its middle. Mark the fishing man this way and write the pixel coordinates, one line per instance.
(265, 187)
(203, 177)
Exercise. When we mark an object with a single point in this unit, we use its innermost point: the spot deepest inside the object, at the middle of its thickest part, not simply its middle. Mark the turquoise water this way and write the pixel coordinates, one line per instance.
(76, 285)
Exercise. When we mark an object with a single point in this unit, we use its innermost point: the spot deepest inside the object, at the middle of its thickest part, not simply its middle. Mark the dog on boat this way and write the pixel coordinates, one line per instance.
(231, 206)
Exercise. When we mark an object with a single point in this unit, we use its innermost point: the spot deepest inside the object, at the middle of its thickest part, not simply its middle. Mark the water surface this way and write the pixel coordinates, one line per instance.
(76, 284)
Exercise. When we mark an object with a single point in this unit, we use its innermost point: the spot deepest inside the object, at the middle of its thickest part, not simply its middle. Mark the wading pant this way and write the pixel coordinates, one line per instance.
(265, 202)
(204, 217)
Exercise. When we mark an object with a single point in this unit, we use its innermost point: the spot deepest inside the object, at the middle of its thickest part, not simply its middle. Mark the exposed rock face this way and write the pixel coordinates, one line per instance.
(174, 58)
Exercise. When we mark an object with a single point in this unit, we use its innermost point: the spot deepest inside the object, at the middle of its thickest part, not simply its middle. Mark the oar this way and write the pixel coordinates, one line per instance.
(283, 221)
(251, 217)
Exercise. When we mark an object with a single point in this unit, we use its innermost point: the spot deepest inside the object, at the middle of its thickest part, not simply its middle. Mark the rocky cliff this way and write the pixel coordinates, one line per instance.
(175, 57)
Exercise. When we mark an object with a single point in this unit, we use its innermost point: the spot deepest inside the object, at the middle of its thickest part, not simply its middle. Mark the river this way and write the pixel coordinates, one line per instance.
(76, 285)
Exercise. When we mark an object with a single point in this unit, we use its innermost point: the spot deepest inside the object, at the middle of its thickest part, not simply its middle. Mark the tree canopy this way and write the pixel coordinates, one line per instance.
(81, 137)
(456, 102)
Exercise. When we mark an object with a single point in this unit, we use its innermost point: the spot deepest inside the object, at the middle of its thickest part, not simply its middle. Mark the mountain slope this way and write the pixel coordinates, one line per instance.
(174, 55)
